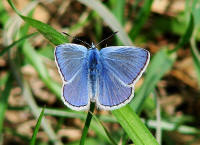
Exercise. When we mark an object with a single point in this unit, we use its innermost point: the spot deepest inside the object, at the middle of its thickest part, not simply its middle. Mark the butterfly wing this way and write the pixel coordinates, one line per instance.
(112, 92)
(71, 60)
(121, 67)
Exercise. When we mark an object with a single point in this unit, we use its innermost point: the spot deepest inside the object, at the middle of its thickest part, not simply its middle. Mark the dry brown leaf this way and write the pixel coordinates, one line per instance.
(169, 7)
(16, 117)
(185, 72)
(71, 133)
(170, 103)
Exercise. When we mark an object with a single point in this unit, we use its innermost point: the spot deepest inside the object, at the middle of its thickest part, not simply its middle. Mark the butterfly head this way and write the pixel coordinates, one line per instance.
(93, 46)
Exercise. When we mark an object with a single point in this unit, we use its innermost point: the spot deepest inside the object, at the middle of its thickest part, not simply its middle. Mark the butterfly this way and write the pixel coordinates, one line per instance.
(106, 77)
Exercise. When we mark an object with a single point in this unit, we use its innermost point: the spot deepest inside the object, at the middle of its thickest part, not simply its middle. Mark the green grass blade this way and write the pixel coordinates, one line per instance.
(125, 139)
(196, 14)
(134, 127)
(118, 10)
(4, 14)
(16, 43)
(47, 31)
(108, 18)
(37, 127)
(98, 26)
(89, 141)
(29, 98)
(169, 126)
(83, 20)
(194, 50)
(195, 57)
(3, 79)
(135, 6)
(165, 125)
(99, 131)
(187, 35)
(4, 101)
(153, 74)
(112, 141)
(82, 115)
(75, 114)
(36, 61)
(141, 18)
(87, 124)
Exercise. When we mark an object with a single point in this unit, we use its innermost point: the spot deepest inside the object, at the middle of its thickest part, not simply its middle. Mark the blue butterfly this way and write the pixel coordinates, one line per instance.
(106, 77)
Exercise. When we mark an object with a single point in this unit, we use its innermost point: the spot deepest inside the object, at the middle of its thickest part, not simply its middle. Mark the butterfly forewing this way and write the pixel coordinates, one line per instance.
(127, 63)
(72, 62)
(69, 58)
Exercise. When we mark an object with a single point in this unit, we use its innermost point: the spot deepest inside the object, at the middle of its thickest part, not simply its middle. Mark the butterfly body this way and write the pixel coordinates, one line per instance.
(94, 66)
(106, 77)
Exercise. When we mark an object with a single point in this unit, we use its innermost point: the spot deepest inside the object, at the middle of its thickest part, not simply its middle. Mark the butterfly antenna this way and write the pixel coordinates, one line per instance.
(107, 38)
(77, 39)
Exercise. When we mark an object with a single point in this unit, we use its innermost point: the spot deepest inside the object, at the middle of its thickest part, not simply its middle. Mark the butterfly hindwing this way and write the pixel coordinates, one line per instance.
(121, 68)
(72, 61)
(75, 93)
(112, 92)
